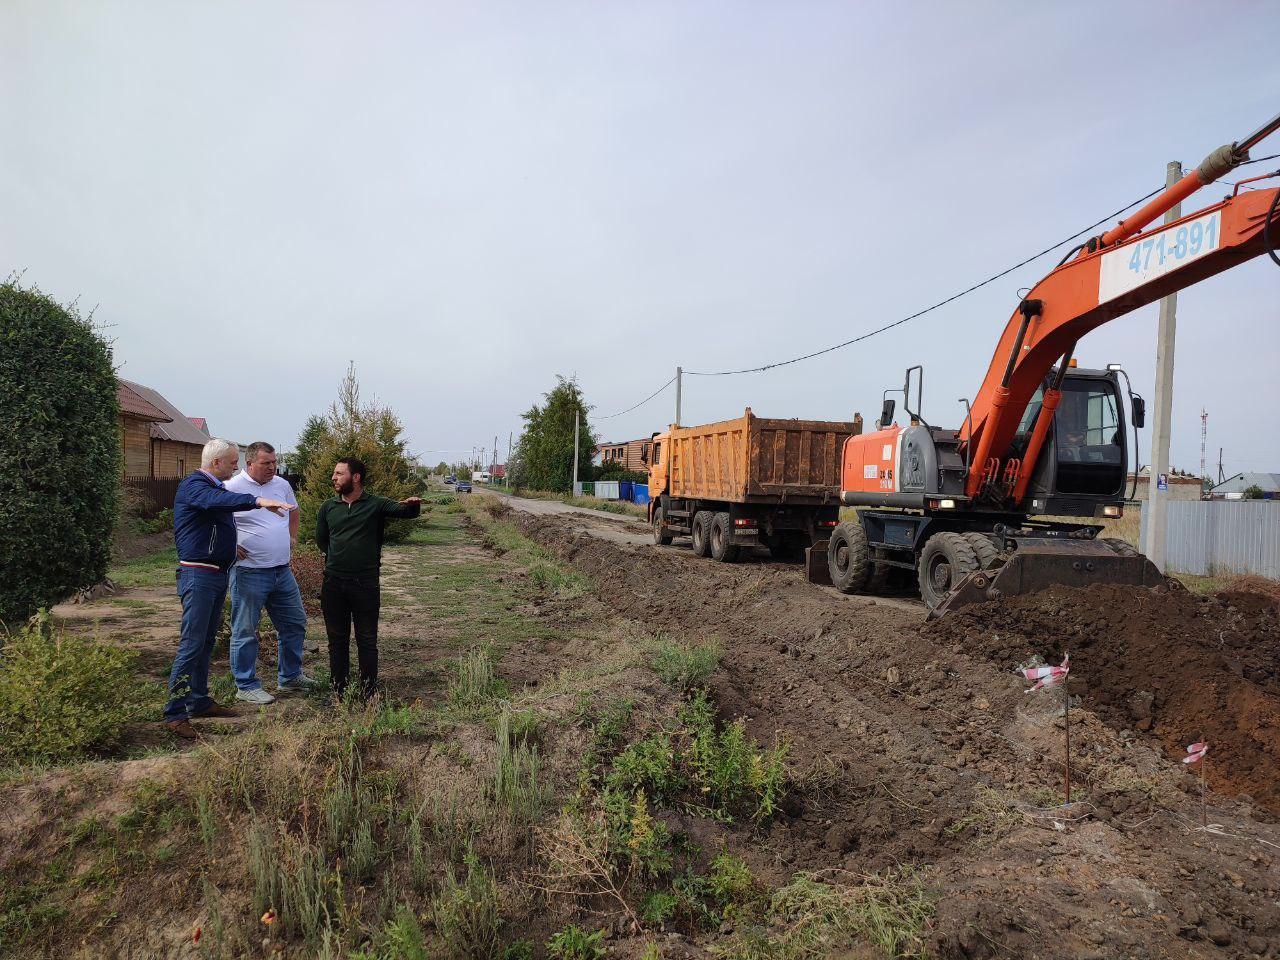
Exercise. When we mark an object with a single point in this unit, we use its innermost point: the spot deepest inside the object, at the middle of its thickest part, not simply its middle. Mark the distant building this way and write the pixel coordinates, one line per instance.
(631, 454)
(1268, 483)
(159, 440)
(1180, 487)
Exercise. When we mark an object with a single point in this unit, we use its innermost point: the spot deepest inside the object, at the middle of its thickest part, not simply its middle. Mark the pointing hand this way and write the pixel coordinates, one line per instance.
(275, 506)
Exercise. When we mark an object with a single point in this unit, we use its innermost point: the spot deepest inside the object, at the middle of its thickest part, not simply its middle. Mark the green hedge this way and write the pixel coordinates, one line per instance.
(60, 457)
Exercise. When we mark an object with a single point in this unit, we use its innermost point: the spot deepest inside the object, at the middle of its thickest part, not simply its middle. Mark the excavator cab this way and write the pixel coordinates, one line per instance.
(1082, 470)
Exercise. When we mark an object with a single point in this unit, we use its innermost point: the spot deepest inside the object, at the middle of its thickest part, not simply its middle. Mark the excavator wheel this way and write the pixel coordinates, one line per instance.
(723, 548)
(988, 555)
(700, 533)
(848, 558)
(945, 560)
(661, 537)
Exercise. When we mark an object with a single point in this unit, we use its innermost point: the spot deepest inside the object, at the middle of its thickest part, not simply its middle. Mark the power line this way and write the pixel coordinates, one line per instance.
(941, 303)
(610, 416)
(920, 313)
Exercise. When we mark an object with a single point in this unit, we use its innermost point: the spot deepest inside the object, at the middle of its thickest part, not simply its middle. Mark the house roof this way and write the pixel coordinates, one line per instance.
(201, 423)
(1267, 482)
(133, 404)
(179, 428)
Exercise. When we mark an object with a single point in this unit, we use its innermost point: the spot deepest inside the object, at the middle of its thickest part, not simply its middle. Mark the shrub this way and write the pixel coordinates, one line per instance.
(63, 695)
(61, 448)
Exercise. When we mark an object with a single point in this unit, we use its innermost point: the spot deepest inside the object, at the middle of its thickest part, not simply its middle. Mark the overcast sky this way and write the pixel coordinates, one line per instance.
(466, 199)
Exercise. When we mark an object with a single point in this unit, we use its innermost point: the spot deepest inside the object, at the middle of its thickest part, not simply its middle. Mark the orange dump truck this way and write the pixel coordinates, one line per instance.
(736, 484)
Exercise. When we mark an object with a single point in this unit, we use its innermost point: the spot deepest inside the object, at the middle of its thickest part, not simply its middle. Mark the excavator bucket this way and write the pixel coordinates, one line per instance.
(816, 569)
(1039, 565)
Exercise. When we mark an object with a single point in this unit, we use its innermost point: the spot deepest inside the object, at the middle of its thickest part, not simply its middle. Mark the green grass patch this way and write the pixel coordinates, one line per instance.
(684, 664)
(150, 570)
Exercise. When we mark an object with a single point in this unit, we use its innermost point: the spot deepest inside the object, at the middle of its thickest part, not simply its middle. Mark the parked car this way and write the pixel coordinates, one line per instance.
(464, 486)
(451, 479)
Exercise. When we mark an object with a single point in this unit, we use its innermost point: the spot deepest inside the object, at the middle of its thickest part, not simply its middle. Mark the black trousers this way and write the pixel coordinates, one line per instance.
(347, 602)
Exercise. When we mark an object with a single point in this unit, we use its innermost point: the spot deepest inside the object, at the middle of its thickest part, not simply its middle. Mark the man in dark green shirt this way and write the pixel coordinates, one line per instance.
(349, 530)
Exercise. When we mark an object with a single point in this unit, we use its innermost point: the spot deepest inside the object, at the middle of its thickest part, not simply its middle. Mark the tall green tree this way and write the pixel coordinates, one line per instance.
(60, 451)
(371, 433)
(543, 459)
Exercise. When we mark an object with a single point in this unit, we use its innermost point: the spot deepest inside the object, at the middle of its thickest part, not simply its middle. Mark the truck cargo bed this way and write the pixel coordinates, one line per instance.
(751, 459)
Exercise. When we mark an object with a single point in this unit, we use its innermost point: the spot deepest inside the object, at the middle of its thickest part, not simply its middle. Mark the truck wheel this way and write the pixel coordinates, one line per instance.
(721, 539)
(945, 560)
(986, 552)
(700, 531)
(661, 537)
(848, 558)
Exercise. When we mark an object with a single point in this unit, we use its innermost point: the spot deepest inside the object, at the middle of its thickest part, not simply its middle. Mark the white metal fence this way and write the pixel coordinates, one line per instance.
(1214, 537)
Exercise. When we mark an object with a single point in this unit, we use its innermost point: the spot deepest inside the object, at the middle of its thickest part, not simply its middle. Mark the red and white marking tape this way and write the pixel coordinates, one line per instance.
(1047, 676)
(1196, 752)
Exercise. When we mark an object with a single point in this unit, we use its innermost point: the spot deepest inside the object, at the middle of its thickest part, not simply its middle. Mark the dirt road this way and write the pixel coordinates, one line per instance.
(630, 531)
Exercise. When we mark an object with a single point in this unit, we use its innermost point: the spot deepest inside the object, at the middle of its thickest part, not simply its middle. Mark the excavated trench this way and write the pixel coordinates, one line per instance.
(901, 733)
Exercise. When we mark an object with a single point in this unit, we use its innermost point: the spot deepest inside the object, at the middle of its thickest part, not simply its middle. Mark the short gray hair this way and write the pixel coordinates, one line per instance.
(216, 449)
(258, 446)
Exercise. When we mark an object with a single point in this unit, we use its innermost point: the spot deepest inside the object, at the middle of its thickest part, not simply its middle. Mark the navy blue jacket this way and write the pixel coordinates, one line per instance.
(202, 526)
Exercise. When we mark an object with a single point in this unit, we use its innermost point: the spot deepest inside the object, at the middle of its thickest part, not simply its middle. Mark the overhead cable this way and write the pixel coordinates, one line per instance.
(921, 313)
(610, 416)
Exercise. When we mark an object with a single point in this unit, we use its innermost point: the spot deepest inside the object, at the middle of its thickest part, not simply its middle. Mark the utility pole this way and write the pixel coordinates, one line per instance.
(1204, 434)
(679, 384)
(1158, 499)
(494, 462)
(577, 418)
(1221, 476)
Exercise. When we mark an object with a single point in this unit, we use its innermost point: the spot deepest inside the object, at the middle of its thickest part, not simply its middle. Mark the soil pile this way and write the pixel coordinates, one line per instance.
(1180, 666)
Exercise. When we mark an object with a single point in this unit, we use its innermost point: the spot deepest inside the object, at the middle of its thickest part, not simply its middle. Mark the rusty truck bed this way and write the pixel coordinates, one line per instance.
(752, 459)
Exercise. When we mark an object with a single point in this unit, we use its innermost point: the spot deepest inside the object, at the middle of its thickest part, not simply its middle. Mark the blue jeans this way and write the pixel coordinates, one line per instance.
(203, 593)
(252, 589)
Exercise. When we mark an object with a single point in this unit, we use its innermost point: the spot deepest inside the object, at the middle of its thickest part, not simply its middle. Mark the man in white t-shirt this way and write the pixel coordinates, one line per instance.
(262, 579)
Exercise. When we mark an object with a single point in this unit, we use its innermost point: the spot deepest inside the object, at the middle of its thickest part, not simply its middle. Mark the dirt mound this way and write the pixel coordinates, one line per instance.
(1183, 667)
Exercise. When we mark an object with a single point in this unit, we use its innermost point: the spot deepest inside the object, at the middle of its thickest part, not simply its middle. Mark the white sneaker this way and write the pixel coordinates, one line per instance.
(259, 696)
(299, 684)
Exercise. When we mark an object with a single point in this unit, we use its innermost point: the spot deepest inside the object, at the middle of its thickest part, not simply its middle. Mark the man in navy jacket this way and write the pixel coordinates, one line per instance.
(206, 538)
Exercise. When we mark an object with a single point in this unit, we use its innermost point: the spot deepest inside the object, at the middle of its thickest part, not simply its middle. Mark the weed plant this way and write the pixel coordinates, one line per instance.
(467, 913)
(473, 683)
(684, 665)
(516, 786)
(807, 919)
(574, 943)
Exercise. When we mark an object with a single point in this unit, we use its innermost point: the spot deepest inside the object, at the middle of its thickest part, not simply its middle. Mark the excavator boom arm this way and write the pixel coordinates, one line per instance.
(1118, 273)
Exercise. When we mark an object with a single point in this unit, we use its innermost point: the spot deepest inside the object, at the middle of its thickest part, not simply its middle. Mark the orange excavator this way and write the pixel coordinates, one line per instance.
(1043, 437)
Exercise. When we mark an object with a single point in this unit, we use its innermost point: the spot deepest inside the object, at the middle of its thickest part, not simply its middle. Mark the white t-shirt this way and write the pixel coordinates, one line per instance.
(264, 535)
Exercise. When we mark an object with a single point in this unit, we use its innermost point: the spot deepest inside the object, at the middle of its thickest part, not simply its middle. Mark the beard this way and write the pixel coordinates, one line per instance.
(343, 488)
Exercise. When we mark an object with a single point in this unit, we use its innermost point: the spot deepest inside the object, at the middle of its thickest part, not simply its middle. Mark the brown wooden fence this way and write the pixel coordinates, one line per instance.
(158, 491)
